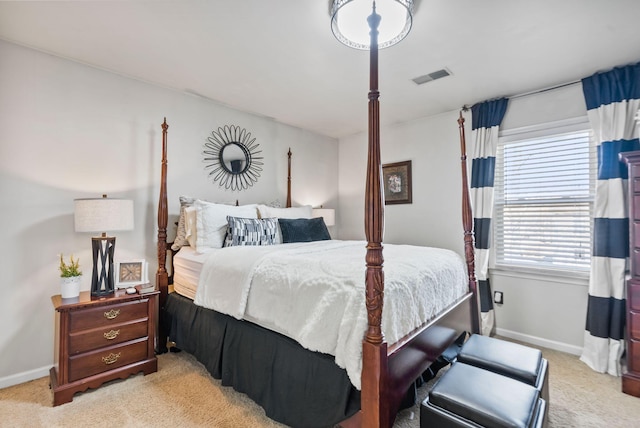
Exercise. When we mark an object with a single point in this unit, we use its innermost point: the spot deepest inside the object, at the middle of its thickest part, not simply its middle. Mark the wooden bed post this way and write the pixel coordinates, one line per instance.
(374, 405)
(288, 204)
(467, 224)
(162, 278)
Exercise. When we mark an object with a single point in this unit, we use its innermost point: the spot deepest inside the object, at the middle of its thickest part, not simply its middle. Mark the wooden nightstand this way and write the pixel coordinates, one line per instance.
(101, 339)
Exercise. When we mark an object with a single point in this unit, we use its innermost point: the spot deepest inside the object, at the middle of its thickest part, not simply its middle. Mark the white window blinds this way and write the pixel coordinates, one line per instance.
(544, 194)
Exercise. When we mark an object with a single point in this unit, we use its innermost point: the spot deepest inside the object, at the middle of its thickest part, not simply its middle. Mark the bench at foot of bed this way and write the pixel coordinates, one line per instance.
(468, 396)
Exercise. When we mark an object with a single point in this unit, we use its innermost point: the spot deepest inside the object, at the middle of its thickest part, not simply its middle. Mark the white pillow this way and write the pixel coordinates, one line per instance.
(305, 211)
(211, 222)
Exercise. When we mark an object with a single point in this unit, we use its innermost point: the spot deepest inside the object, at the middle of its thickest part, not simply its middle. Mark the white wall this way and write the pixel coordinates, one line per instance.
(433, 146)
(546, 311)
(69, 131)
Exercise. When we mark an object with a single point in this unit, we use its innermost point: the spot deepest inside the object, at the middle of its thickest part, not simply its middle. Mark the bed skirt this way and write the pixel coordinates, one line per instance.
(295, 386)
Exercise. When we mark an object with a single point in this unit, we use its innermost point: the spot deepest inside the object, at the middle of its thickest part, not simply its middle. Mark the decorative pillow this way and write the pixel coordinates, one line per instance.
(251, 231)
(190, 225)
(303, 230)
(181, 238)
(305, 211)
(211, 222)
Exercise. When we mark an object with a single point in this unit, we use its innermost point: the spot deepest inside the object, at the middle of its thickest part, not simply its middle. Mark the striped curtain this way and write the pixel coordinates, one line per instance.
(486, 119)
(612, 100)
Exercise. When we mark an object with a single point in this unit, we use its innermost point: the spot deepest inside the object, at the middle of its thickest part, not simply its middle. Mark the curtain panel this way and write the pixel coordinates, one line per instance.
(612, 100)
(486, 119)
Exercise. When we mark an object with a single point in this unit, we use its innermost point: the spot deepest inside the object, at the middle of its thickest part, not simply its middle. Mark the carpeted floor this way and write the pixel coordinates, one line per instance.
(182, 394)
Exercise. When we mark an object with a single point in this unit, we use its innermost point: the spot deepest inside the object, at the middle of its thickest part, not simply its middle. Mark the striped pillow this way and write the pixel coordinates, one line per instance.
(251, 231)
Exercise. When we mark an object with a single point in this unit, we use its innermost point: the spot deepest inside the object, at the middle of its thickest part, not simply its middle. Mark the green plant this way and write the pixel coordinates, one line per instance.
(71, 269)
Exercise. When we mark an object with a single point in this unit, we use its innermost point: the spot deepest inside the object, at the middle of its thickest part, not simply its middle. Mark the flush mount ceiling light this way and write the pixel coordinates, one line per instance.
(349, 21)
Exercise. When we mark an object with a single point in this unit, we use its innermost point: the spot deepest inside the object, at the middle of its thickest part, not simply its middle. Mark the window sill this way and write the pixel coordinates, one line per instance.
(548, 275)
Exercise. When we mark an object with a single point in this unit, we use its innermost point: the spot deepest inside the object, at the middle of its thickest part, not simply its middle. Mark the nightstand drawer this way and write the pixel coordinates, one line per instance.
(91, 363)
(87, 340)
(87, 319)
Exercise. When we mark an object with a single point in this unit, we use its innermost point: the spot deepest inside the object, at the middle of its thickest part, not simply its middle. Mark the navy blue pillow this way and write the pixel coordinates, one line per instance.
(303, 230)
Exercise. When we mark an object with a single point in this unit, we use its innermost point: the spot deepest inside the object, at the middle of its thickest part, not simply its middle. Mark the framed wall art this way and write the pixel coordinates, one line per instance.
(396, 179)
(131, 272)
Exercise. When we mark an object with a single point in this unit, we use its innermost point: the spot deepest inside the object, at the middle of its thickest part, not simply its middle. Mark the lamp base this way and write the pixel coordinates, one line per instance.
(102, 280)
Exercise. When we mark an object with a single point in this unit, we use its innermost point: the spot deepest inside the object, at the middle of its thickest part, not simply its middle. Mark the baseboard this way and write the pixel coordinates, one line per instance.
(23, 377)
(538, 341)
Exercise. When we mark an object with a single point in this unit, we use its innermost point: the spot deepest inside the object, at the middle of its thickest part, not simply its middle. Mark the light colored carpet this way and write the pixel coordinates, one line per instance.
(182, 394)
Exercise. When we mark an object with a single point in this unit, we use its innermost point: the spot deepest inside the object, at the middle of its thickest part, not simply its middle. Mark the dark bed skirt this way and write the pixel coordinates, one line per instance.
(295, 386)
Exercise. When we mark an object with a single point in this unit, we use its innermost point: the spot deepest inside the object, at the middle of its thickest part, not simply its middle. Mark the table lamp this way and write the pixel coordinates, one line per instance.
(103, 215)
(327, 214)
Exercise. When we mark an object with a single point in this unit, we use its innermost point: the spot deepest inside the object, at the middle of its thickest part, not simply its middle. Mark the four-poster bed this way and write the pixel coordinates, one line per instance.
(242, 354)
(388, 370)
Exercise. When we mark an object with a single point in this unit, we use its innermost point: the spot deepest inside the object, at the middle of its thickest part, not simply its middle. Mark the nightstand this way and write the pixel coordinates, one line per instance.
(101, 339)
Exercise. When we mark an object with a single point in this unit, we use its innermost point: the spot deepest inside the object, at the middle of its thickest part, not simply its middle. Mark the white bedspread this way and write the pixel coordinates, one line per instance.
(314, 292)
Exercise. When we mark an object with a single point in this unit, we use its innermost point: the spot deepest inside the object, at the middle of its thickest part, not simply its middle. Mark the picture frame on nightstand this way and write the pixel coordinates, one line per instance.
(131, 272)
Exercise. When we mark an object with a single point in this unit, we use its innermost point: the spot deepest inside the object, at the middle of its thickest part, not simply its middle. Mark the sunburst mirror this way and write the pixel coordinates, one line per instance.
(231, 156)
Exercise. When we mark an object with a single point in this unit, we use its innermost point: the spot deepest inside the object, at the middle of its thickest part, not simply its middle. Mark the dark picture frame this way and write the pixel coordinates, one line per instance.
(396, 180)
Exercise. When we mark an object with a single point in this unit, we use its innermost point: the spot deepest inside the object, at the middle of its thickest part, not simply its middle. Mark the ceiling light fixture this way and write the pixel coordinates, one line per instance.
(349, 24)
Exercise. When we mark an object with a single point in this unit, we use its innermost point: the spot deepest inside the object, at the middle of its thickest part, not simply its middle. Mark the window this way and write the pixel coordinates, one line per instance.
(544, 193)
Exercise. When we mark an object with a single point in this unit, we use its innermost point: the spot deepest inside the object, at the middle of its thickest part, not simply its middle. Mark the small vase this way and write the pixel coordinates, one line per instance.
(70, 287)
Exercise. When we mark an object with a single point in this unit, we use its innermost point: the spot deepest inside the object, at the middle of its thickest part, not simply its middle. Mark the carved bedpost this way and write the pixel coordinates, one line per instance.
(374, 212)
(375, 406)
(162, 278)
(288, 204)
(467, 224)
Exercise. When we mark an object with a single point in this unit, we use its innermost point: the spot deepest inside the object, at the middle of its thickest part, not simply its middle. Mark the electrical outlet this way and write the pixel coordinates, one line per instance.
(498, 297)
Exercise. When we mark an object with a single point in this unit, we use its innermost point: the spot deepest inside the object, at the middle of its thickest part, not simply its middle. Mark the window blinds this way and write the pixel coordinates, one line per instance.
(544, 194)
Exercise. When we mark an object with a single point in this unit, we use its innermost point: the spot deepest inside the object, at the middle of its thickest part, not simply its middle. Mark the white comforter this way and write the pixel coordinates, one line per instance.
(314, 292)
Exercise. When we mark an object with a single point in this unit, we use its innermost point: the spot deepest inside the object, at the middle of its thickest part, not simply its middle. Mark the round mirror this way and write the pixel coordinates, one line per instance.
(231, 156)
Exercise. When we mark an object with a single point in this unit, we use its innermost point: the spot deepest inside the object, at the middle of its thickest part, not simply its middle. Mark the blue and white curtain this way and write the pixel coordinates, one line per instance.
(486, 120)
(612, 99)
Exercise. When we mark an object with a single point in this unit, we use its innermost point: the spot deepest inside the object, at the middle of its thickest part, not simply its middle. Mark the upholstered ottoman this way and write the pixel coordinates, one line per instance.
(468, 396)
(509, 359)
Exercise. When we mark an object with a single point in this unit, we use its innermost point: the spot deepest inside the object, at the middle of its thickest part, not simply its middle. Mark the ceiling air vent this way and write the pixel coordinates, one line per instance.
(431, 76)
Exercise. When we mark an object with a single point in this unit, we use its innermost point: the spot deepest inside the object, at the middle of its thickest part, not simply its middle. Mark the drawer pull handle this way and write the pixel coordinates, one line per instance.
(112, 314)
(110, 335)
(111, 358)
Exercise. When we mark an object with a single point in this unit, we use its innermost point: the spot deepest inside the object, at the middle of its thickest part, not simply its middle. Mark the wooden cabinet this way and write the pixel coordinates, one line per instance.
(101, 339)
(631, 379)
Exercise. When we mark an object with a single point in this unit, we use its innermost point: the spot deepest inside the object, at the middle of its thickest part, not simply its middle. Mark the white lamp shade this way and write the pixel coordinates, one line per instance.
(349, 21)
(328, 214)
(102, 214)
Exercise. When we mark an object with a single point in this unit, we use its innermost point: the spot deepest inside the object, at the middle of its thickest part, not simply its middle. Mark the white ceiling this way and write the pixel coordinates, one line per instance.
(278, 58)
